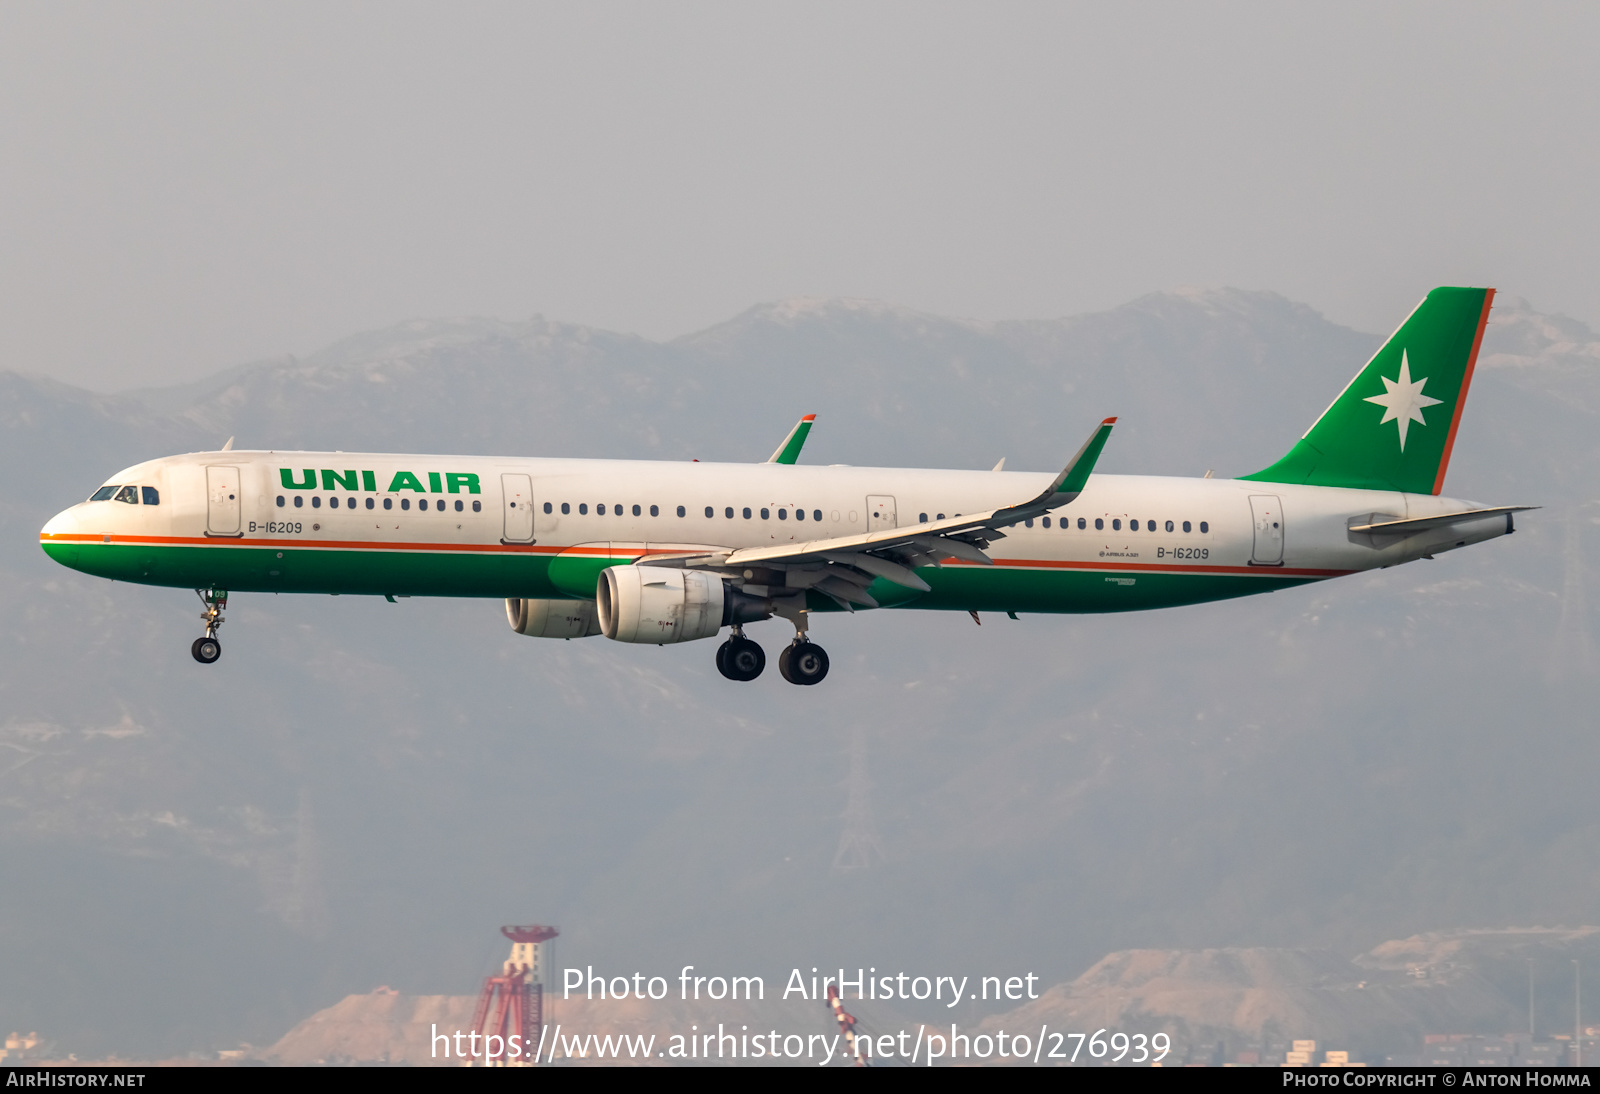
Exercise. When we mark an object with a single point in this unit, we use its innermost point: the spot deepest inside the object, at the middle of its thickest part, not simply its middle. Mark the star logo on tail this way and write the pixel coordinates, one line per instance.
(1403, 400)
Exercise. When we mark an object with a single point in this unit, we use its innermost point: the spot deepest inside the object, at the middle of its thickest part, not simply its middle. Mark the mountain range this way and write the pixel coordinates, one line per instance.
(362, 792)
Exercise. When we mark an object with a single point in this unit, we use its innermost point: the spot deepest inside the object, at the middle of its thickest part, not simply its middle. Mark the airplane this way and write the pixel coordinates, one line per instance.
(662, 552)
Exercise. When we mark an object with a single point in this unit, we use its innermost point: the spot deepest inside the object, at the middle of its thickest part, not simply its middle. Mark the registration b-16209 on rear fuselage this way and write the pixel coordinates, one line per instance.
(661, 553)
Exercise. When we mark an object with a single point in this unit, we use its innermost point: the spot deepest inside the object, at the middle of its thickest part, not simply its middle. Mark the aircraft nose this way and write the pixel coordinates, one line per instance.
(56, 524)
(57, 537)
(66, 522)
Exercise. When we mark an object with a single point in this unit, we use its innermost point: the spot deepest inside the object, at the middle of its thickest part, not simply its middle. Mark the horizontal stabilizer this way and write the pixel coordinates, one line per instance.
(1423, 524)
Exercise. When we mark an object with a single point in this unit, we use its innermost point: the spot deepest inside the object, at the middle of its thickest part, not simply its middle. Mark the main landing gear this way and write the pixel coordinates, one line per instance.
(739, 658)
(804, 662)
(207, 649)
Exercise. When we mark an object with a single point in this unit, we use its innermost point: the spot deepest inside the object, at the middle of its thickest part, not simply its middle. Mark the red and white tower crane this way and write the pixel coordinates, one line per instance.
(513, 1002)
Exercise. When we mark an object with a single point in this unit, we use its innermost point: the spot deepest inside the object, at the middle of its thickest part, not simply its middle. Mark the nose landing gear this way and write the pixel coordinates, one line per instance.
(207, 649)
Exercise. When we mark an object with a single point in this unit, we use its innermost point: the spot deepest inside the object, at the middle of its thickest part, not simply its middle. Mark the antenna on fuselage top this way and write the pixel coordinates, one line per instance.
(228, 447)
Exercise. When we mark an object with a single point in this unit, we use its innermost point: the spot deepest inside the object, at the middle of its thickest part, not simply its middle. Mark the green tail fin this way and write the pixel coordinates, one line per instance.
(1393, 427)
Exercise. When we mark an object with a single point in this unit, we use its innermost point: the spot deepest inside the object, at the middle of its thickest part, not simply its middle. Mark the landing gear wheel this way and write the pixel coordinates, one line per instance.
(803, 663)
(740, 659)
(207, 649)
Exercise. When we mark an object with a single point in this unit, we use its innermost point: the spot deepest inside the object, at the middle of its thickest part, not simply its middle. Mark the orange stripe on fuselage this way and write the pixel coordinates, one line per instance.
(529, 548)
(336, 544)
(1156, 567)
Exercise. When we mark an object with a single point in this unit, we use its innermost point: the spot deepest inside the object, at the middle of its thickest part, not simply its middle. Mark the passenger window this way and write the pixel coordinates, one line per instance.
(128, 494)
(1169, 526)
(617, 509)
(477, 506)
(405, 503)
(747, 512)
(566, 507)
(600, 509)
(1204, 527)
(1099, 524)
(941, 516)
(422, 503)
(1045, 522)
(636, 510)
(299, 500)
(766, 514)
(369, 503)
(1133, 526)
(1028, 523)
(548, 508)
(1185, 526)
(728, 512)
(1116, 525)
(1082, 524)
(922, 518)
(799, 514)
(708, 512)
(316, 503)
(583, 509)
(103, 494)
(816, 514)
(150, 495)
(280, 501)
(459, 506)
(783, 514)
(654, 512)
(388, 503)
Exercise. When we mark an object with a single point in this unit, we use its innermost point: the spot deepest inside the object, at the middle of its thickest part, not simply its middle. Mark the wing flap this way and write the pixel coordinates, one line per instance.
(881, 567)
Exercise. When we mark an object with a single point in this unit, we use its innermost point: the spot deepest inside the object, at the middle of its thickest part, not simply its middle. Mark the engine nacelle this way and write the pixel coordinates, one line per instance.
(660, 604)
(552, 618)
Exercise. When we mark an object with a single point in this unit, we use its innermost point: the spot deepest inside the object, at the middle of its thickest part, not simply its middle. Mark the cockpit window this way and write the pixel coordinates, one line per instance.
(103, 494)
(129, 494)
(151, 497)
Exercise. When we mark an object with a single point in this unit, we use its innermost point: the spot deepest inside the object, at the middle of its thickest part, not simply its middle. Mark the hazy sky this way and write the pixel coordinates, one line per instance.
(186, 186)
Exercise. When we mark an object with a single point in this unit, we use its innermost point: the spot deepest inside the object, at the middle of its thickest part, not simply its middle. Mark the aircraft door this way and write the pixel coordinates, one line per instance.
(880, 512)
(222, 501)
(1268, 513)
(517, 498)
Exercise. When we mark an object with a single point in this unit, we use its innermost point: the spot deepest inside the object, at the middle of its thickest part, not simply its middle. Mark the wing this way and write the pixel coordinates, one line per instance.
(789, 450)
(844, 566)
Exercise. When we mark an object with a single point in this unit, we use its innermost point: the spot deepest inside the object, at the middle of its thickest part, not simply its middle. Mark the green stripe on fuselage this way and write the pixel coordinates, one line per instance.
(377, 572)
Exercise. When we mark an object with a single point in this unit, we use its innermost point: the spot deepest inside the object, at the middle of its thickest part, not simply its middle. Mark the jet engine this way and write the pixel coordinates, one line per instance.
(661, 604)
(552, 618)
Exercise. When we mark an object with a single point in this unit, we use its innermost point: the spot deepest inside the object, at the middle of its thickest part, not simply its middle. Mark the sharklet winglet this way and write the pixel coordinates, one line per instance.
(789, 450)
